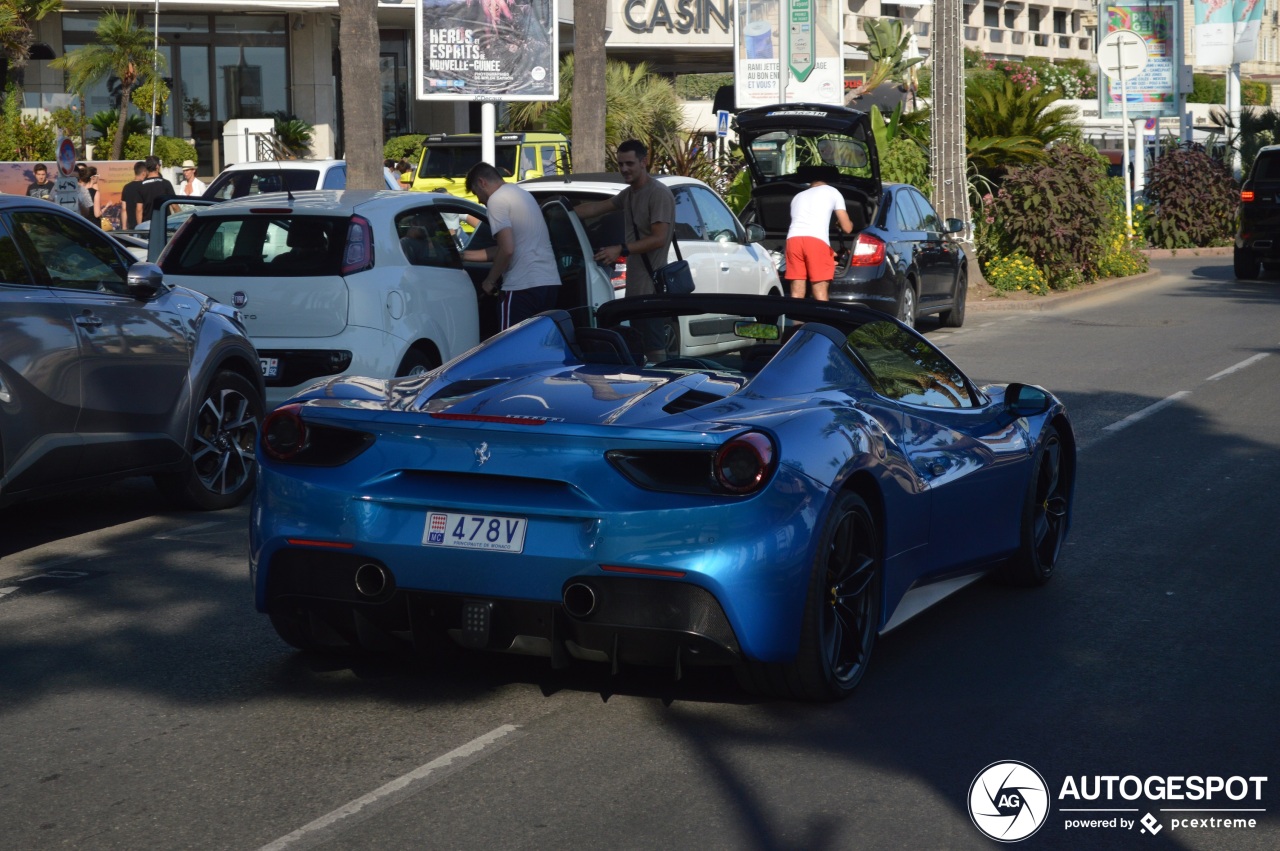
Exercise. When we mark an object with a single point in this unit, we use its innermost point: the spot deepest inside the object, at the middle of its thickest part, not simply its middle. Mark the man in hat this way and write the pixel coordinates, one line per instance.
(192, 186)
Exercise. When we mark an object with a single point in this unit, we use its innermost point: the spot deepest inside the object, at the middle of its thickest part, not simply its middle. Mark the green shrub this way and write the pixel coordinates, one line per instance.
(171, 151)
(1015, 273)
(924, 80)
(408, 147)
(1120, 255)
(1056, 214)
(701, 86)
(906, 162)
(1207, 88)
(1193, 199)
(24, 139)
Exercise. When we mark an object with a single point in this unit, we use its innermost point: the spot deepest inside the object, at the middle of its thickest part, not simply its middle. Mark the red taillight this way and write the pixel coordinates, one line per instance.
(284, 434)
(328, 545)
(642, 571)
(867, 251)
(513, 419)
(358, 255)
(743, 464)
(1246, 195)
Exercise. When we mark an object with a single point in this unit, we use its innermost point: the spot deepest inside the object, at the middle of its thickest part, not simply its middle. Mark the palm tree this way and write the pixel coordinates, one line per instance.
(1011, 125)
(123, 50)
(887, 44)
(17, 19)
(361, 99)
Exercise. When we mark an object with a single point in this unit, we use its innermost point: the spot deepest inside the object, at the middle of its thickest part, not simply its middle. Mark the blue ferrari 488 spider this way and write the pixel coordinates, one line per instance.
(549, 493)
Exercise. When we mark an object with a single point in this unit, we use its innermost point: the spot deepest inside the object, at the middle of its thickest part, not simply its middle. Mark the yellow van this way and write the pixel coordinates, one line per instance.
(447, 157)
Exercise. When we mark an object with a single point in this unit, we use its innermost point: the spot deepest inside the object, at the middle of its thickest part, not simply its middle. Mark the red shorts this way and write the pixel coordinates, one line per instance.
(809, 259)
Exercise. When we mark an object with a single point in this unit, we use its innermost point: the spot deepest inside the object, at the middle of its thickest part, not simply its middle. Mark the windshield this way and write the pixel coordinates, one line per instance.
(440, 160)
(237, 184)
(785, 152)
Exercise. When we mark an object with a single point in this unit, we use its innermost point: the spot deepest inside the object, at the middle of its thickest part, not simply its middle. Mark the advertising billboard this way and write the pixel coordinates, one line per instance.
(803, 35)
(487, 50)
(1153, 91)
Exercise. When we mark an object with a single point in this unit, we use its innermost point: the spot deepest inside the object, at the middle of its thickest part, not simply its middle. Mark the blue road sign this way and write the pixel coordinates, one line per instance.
(722, 123)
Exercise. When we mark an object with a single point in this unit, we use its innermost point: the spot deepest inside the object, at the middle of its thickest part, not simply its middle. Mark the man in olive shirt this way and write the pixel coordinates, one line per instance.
(648, 213)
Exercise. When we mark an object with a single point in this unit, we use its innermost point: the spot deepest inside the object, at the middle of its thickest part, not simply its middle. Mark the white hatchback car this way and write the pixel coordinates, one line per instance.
(360, 282)
(259, 178)
(724, 255)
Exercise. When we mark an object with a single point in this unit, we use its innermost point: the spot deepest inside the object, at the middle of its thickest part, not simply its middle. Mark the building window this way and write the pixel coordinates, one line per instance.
(1060, 22)
(890, 10)
(991, 16)
(1011, 19)
(1033, 20)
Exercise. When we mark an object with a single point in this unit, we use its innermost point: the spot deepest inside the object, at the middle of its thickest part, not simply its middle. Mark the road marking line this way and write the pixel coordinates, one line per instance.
(1246, 362)
(463, 756)
(1146, 412)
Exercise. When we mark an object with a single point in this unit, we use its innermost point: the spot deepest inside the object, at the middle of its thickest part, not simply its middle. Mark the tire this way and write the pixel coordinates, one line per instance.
(671, 336)
(1045, 515)
(838, 631)
(220, 468)
(954, 318)
(1247, 267)
(907, 305)
(416, 363)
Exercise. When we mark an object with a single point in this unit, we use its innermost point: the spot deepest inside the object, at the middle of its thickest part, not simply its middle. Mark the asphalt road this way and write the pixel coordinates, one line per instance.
(144, 704)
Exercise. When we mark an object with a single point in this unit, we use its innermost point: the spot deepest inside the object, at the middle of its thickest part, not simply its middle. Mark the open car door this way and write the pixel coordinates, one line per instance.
(166, 218)
(584, 284)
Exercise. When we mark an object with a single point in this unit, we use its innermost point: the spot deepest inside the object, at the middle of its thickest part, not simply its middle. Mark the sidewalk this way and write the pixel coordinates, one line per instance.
(1021, 301)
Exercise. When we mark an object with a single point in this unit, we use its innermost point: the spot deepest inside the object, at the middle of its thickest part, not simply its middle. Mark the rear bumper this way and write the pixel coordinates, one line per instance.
(629, 621)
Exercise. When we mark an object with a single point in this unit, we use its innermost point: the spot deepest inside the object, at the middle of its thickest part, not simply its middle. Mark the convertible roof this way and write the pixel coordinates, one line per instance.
(795, 309)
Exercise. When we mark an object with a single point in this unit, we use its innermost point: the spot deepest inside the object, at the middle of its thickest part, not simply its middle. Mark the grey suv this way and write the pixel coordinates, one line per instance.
(106, 371)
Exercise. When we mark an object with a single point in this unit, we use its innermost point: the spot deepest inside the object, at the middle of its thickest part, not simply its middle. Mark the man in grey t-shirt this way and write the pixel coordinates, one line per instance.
(523, 257)
(648, 213)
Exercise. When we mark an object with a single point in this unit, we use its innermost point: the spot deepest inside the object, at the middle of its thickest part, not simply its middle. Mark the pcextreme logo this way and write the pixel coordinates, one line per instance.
(1009, 801)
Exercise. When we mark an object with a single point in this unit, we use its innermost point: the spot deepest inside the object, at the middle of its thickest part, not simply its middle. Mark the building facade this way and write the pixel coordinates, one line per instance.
(235, 59)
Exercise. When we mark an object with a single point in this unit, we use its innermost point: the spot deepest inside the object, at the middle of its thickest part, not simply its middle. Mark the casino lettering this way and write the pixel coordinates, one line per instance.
(682, 16)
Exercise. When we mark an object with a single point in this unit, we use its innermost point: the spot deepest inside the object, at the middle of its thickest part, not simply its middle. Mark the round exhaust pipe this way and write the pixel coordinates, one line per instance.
(579, 600)
(372, 580)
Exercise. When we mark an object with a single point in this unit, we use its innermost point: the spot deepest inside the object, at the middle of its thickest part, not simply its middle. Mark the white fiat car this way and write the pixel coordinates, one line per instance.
(359, 282)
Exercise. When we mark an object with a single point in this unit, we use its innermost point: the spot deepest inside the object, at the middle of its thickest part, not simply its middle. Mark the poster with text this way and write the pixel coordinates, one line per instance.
(802, 35)
(487, 50)
(1226, 31)
(1154, 91)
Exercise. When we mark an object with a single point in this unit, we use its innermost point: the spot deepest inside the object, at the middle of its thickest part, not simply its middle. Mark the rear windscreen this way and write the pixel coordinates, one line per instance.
(237, 184)
(456, 160)
(265, 245)
(1267, 166)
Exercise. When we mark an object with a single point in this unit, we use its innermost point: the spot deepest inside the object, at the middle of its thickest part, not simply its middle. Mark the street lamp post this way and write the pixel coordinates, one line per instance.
(155, 71)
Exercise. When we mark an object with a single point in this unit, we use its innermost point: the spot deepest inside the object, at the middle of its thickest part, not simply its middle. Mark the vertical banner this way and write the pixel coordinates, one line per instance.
(1153, 92)
(487, 50)
(805, 34)
(1226, 31)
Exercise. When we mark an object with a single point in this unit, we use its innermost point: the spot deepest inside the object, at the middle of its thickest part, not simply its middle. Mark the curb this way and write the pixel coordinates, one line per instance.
(1052, 300)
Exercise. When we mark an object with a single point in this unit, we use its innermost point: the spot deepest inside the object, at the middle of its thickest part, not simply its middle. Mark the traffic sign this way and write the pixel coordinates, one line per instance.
(722, 123)
(800, 55)
(1122, 54)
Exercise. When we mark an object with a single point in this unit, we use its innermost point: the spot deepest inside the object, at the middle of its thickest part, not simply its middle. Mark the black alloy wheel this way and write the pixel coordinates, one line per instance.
(841, 615)
(416, 363)
(1045, 515)
(221, 468)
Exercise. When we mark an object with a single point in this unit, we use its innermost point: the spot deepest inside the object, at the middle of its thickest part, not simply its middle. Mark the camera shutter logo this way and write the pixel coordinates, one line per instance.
(1008, 801)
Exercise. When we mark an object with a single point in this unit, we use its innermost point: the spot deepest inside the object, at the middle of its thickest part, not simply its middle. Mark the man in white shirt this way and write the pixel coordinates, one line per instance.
(192, 186)
(809, 255)
(523, 257)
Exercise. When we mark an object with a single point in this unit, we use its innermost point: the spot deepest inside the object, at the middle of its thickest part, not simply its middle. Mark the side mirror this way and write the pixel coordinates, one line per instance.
(1023, 400)
(755, 233)
(953, 226)
(144, 280)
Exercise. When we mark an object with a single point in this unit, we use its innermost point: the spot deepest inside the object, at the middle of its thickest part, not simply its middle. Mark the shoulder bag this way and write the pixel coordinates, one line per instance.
(672, 279)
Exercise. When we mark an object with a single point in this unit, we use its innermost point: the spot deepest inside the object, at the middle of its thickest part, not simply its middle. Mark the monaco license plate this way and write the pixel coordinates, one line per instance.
(270, 367)
(475, 532)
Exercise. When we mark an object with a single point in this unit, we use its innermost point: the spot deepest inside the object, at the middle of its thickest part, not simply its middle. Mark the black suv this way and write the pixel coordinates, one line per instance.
(1258, 223)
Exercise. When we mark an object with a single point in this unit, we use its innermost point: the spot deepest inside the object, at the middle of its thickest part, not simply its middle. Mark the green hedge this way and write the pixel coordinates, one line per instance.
(1207, 88)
